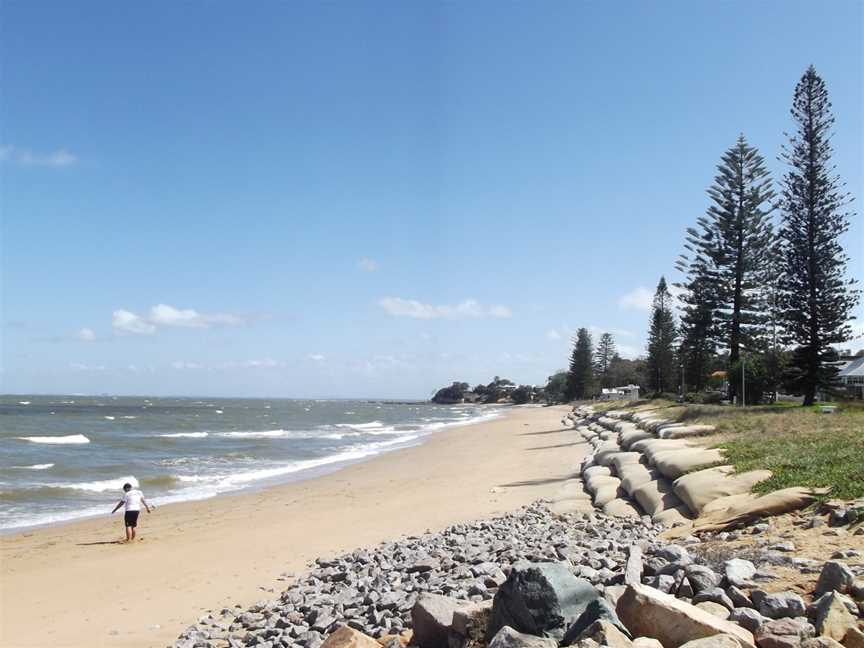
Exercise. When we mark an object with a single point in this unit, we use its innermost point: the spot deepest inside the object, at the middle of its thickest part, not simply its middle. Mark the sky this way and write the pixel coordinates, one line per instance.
(373, 199)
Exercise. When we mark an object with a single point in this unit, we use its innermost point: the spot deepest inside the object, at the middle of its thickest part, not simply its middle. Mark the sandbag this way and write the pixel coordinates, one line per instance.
(673, 516)
(590, 471)
(604, 450)
(634, 475)
(685, 431)
(621, 508)
(592, 484)
(656, 496)
(674, 463)
(628, 438)
(625, 426)
(620, 459)
(776, 503)
(731, 501)
(606, 493)
(699, 488)
(650, 447)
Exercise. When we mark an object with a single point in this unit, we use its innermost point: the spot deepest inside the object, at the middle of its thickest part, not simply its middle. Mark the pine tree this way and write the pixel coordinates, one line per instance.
(603, 358)
(581, 375)
(816, 299)
(697, 348)
(726, 264)
(661, 338)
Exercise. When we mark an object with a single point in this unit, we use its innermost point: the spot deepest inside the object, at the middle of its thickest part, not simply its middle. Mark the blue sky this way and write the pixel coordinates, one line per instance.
(372, 199)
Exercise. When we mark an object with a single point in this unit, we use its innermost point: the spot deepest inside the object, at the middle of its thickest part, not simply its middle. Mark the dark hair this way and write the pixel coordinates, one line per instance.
(127, 487)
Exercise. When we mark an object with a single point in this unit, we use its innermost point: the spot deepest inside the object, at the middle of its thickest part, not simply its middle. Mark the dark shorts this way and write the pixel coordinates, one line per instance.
(131, 518)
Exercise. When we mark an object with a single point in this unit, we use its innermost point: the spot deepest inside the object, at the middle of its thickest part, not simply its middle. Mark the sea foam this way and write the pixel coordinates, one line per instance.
(68, 439)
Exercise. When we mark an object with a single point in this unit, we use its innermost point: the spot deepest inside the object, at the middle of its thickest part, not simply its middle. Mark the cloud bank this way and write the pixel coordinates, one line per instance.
(163, 315)
(468, 309)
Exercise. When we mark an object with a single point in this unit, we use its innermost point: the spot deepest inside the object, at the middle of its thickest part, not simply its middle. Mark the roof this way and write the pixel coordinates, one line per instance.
(854, 368)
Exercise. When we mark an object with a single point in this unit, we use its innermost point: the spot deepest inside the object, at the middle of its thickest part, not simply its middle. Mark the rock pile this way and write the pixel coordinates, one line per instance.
(535, 580)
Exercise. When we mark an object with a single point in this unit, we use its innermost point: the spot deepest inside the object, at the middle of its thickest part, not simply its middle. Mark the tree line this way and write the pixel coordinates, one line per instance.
(764, 294)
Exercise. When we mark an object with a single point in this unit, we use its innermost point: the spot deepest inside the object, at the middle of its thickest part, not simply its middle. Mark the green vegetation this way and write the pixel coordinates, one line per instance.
(763, 296)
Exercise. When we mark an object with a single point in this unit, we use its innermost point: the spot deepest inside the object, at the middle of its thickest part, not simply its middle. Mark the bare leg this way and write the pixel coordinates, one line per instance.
(133, 533)
(130, 533)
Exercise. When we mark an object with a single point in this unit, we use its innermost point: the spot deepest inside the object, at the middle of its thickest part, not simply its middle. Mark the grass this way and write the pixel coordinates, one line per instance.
(799, 445)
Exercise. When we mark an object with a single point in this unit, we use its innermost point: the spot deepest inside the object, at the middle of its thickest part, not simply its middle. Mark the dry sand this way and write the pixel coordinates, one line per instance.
(73, 585)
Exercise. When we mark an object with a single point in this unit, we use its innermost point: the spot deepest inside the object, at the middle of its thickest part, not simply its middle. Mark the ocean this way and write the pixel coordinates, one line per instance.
(67, 457)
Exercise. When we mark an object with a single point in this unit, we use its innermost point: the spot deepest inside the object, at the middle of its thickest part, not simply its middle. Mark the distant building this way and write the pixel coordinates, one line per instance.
(627, 392)
(851, 377)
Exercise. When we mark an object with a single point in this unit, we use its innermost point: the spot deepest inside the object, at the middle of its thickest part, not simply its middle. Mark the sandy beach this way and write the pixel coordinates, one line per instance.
(75, 585)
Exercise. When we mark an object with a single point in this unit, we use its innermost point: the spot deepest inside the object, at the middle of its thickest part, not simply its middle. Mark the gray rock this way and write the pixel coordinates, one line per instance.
(714, 595)
(738, 597)
(545, 599)
(739, 572)
(432, 618)
(702, 578)
(747, 618)
(782, 605)
(835, 576)
(507, 637)
(633, 570)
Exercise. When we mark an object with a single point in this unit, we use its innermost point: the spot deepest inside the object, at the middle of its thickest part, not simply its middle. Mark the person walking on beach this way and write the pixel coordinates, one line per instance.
(132, 500)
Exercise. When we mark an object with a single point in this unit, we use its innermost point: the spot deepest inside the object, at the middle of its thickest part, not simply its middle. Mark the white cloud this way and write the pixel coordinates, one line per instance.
(80, 366)
(163, 315)
(552, 334)
(368, 265)
(639, 299)
(27, 158)
(317, 357)
(86, 335)
(180, 365)
(124, 321)
(468, 309)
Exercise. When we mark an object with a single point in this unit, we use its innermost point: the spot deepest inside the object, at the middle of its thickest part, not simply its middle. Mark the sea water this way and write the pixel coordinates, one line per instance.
(67, 457)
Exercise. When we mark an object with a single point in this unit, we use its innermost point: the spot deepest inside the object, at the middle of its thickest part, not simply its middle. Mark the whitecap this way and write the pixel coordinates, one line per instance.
(99, 486)
(109, 418)
(68, 439)
(191, 435)
(35, 467)
(23, 402)
(130, 417)
(219, 411)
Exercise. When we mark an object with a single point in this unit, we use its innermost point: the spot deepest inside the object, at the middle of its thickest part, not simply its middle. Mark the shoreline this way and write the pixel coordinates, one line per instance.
(200, 555)
(314, 472)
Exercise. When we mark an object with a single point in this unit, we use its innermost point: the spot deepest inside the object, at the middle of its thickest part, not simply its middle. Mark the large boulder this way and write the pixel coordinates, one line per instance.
(606, 634)
(345, 637)
(714, 641)
(784, 633)
(432, 619)
(507, 637)
(739, 572)
(836, 576)
(832, 617)
(782, 605)
(546, 600)
(648, 612)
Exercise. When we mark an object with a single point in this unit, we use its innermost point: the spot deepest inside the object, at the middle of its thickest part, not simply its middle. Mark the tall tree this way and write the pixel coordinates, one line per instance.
(740, 213)
(726, 263)
(581, 375)
(661, 340)
(816, 299)
(603, 358)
